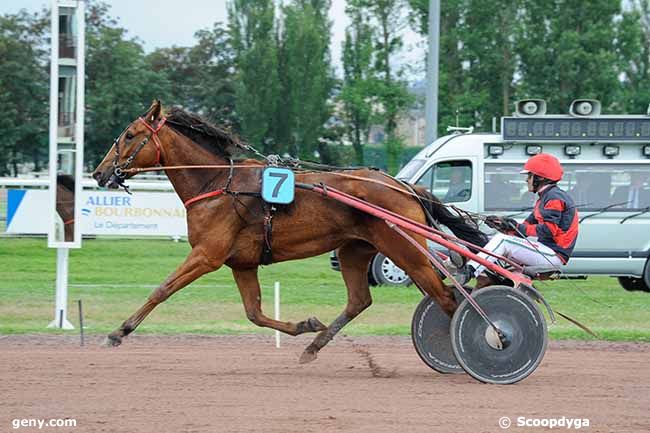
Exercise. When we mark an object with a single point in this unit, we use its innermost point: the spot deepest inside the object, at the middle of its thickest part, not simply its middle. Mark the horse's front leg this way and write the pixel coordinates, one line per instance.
(195, 265)
(249, 288)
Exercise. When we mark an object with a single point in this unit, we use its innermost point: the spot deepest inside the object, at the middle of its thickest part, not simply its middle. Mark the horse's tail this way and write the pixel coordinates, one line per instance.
(456, 223)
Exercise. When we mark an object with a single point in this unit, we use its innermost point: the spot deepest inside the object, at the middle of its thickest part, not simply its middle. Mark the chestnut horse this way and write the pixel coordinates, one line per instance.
(226, 219)
(65, 204)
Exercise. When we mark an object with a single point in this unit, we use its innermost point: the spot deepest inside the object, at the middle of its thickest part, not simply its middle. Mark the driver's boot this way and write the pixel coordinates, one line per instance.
(483, 281)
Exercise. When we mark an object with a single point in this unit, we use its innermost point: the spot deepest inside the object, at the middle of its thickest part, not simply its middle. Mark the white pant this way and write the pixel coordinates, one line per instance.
(523, 251)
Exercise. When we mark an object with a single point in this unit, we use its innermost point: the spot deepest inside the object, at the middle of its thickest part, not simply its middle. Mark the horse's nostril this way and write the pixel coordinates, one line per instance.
(97, 175)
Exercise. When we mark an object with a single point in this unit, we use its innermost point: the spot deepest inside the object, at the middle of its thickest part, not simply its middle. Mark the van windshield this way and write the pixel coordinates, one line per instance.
(592, 186)
(407, 172)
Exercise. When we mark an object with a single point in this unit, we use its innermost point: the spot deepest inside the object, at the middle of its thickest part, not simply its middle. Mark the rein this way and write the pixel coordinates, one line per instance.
(461, 212)
(122, 170)
(348, 176)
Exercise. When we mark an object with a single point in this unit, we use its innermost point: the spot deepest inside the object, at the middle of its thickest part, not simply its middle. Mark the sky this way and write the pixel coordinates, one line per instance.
(163, 23)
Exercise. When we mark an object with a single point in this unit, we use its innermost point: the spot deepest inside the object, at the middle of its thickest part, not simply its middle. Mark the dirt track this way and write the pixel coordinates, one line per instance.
(244, 384)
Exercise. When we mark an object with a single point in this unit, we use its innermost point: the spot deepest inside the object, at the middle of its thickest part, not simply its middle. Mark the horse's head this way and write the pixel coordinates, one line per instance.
(137, 146)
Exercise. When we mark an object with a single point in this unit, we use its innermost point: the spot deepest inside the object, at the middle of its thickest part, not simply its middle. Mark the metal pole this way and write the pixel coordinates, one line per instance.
(277, 312)
(60, 311)
(81, 322)
(54, 119)
(431, 109)
(80, 109)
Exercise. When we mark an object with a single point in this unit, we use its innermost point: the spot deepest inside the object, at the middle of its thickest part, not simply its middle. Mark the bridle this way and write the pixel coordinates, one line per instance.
(119, 169)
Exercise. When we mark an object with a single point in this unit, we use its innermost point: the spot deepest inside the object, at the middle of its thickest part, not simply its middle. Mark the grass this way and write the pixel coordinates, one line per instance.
(114, 278)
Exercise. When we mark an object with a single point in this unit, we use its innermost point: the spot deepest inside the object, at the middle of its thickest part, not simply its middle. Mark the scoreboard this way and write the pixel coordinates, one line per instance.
(570, 128)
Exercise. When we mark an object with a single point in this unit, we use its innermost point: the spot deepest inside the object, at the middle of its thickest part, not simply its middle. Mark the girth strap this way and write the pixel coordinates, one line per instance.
(203, 196)
(267, 252)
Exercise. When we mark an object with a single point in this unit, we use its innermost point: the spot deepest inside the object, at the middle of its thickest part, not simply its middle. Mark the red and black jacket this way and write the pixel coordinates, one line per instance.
(554, 221)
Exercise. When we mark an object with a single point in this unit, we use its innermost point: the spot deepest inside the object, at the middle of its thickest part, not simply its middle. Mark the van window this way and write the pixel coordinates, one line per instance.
(409, 170)
(592, 186)
(450, 181)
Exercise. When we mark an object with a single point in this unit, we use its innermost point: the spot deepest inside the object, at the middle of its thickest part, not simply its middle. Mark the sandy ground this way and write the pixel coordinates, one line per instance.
(244, 384)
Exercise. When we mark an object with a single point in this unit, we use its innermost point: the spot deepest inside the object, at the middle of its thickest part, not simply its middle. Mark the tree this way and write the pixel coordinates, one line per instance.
(307, 74)
(493, 53)
(201, 76)
(391, 89)
(356, 94)
(570, 49)
(252, 33)
(634, 50)
(24, 91)
(489, 57)
(119, 83)
(460, 99)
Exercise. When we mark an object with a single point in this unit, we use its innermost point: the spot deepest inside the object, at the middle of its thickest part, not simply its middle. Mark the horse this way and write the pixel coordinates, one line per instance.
(226, 219)
(65, 204)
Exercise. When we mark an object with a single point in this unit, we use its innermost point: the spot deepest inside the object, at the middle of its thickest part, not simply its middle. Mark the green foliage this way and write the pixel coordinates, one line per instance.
(201, 76)
(373, 91)
(376, 156)
(252, 32)
(24, 90)
(268, 72)
(634, 58)
(556, 50)
(357, 93)
(573, 50)
(307, 75)
(120, 85)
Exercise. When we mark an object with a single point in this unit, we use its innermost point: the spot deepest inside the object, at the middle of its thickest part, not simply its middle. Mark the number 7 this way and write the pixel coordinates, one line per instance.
(282, 177)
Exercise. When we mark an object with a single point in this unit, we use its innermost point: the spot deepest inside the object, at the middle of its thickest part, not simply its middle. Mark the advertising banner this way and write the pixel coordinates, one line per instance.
(102, 213)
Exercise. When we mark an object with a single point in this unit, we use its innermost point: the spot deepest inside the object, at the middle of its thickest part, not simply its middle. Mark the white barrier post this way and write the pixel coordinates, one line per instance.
(61, 309)
(277, 312)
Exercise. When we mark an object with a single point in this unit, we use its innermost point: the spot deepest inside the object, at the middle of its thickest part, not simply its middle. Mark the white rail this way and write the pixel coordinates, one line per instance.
(12, 182)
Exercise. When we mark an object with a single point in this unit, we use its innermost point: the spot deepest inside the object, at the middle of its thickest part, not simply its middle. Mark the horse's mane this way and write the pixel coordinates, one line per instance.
(66, 181)
(213, 138)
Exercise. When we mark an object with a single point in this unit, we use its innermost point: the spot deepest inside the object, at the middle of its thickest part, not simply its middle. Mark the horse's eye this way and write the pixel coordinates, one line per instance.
(129, 135)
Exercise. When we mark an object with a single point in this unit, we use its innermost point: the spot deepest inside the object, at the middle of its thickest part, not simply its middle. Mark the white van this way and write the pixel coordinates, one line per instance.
(606, 161)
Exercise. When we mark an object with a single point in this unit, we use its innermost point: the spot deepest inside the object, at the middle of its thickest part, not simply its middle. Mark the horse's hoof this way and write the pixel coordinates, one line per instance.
(307, 357)
(112, 341)
(316, 325)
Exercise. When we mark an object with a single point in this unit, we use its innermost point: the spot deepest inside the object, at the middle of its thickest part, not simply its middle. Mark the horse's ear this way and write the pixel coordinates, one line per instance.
(154, 111)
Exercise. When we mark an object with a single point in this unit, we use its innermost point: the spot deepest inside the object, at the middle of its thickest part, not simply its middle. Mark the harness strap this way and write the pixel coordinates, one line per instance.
(154, 135)
(203, 196)
(267, 252)
(71, 221)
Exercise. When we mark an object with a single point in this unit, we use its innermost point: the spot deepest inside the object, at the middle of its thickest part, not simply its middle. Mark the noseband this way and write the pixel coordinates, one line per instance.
(118, 169)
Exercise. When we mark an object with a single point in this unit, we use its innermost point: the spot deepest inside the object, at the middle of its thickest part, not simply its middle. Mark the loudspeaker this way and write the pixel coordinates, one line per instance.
(585, 108)
(530, 107)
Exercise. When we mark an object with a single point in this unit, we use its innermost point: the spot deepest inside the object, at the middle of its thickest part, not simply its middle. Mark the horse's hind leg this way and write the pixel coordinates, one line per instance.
(354, 258)
(416, 265)
(249, 288)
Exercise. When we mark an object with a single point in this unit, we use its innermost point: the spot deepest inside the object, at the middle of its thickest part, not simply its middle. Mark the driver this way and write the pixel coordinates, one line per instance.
(547, 236)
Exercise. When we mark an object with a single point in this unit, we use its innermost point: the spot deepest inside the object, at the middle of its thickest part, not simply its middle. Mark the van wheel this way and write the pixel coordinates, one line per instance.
(385, 272)
(646, 277)
(632, 284)
(371, 278)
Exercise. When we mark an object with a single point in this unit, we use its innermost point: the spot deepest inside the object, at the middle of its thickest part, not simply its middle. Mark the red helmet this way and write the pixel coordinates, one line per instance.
(544, 165)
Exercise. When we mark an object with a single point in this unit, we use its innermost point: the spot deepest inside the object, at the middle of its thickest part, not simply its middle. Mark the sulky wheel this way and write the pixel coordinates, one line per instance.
(430, 335)
(481, 352)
